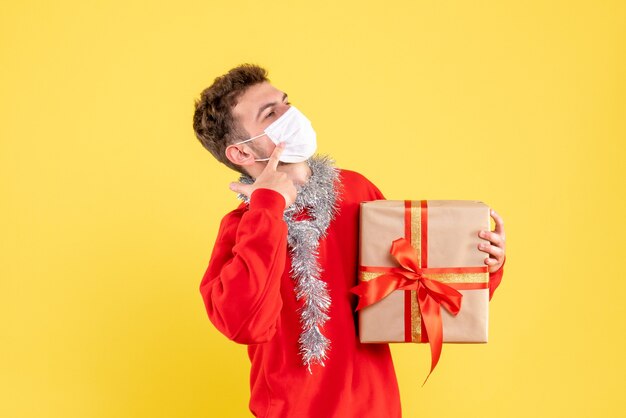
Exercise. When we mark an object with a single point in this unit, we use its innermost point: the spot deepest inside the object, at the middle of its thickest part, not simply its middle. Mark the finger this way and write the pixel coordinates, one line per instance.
(499, 222)
(497, 252)
(272, 163)
(491, 261)
(494, 265)
(492, 237)
(245, 189)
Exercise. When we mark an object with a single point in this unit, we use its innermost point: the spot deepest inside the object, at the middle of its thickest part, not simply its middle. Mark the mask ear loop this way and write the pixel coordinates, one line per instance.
(250, 139)
(263, 159)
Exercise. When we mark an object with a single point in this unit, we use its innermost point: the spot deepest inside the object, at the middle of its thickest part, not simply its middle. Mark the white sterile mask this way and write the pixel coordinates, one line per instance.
(295, 130)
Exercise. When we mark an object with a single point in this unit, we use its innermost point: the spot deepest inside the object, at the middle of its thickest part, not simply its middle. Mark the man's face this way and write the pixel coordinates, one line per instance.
(259, 106)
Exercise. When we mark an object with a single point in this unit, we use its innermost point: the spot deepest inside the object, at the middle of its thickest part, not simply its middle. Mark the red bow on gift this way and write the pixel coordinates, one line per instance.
(431, 294)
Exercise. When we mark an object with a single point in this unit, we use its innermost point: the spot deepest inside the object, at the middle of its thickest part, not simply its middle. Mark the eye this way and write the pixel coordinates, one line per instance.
(269, 114)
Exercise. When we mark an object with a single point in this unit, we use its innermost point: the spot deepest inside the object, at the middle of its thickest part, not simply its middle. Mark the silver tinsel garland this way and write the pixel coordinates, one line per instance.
(319, 197)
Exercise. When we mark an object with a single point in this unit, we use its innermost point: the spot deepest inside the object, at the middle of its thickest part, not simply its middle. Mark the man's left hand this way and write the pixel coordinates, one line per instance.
(496, 246)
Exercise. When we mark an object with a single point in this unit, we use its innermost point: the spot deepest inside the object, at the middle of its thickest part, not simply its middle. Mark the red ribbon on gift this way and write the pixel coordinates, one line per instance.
(431, 294)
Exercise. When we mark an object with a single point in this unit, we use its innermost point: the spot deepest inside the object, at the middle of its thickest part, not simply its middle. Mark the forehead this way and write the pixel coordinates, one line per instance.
(254, 97)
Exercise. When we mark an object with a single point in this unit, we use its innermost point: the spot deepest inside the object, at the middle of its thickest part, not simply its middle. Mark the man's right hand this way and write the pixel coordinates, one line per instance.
(270, 179)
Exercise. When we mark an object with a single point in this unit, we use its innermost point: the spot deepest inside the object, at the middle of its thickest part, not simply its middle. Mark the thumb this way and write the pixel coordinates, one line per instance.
(245, 189)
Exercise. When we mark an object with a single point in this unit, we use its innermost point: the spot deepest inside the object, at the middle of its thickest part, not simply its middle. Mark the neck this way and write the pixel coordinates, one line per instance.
(315, 181)
(298, 173)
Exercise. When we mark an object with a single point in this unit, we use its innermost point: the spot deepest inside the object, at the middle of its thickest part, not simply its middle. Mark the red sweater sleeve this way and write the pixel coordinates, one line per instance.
(241, 286)
(495, 278)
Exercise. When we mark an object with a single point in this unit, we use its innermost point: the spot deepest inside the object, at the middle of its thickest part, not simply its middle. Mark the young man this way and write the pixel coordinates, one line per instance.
(284, 261)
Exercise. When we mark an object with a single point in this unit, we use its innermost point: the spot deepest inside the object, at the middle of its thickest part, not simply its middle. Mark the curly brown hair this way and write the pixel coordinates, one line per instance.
(213, 121)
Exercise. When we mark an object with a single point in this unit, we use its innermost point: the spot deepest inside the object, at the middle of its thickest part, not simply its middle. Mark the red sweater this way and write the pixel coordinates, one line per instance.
(249, 297)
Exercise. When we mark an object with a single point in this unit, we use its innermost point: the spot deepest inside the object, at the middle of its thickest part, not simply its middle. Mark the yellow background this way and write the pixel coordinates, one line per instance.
(110, 206)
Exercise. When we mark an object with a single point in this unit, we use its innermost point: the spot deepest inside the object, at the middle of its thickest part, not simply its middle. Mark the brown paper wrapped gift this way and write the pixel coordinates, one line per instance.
(436, 250)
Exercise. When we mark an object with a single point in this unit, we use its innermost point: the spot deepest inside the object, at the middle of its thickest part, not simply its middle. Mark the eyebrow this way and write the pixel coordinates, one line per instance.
(265, 106)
